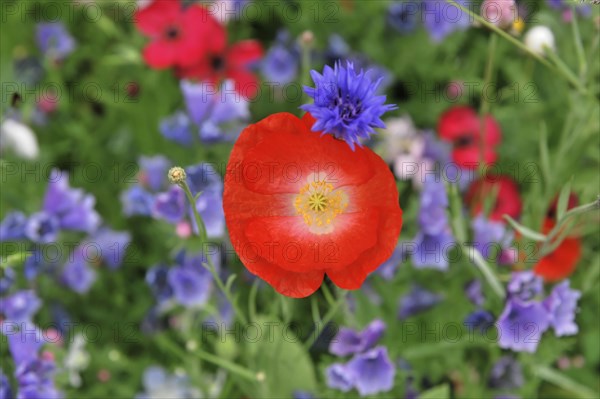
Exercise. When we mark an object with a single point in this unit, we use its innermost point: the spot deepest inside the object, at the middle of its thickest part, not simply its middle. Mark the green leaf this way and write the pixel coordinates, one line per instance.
(563, 200)
(439, 392)
(525, 231)
(280, 358)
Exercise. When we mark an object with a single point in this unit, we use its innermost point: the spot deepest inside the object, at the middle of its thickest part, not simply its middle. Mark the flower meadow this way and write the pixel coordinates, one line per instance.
(300, 199)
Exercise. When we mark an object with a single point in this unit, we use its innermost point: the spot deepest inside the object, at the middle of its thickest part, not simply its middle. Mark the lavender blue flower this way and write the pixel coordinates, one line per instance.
(280, 64)
(20, 306)
(487, 235)
(177, 128)
(403, 16)
(562, 305)
(474, 292)
(295, 395)
(442, 18)
(220, 115)
(5, 390)
(433, 219)
(431, 251)
(521, 325)
(506, 373)
(346, 104)
(54, 40)
(111, 245)
(416, 301)
(153, 172)
(73, 208)
(13, 226)
(7, 278)
(205, 179)
(525, 286)
(156, 278)
(77, 273)
(480, 320)
(170, 205)
(339, 377)
(34, 264)
(137, 201)
(191, 282)
(348, 341)
(42, 227)
(372, 372)
(387, 270)
(34, 373)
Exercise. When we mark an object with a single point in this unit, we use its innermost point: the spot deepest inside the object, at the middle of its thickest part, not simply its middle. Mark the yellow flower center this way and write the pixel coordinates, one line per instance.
(319, 204)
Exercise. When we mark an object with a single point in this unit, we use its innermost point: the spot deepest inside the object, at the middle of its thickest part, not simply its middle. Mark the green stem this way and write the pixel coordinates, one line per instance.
(327, 318)
(210, 266)
(566, 383)
(217, 361)
(578, 44)
(569, 76)
(475, 256)
(550, 244)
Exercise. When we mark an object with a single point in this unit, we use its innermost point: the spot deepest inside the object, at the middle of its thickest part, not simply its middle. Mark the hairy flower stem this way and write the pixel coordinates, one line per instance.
(210, 265)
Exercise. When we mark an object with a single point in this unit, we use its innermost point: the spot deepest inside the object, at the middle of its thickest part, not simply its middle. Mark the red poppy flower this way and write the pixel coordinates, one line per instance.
(299, 205)
(506, 192)
(229, 63)
(561, 262)
(462, 126)
(180, 36)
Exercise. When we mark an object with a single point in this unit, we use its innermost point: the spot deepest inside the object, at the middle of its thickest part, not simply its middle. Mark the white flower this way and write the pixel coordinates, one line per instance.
(539, 39)
(19, 138)
(397, 137)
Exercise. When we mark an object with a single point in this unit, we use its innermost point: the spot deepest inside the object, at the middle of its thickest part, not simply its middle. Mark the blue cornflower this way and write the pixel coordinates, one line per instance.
(54, 40)
(346, 104)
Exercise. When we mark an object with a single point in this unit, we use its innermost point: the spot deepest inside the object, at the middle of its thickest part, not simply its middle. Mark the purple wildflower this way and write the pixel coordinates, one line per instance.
(156, 278)
(191, 282)
(480, 319)
(153, 172)
(280, 64)
(403, 16)
(506, 374)
(521, 325)
(177, 128)
(77, 273)
(137, 201)
(42, 227)
(416, 301)
(170, 205)
(431, 251)
(73, 208)
(525, 285)
(348, 341)
(372, 372)
(111, 245)
(387, 270)
(562, 305)
(20, 306)
(13, 226)
(339, 377)
(54, 40)
(474, 292)
(442, 18)
(488, 234)
(346, 104)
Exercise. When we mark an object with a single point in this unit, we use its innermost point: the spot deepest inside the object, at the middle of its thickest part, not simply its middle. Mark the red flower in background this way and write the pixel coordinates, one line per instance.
(299, 205)
(507, 197)
(232, 63)
(462, 127)
(180, 36)
(561, 262)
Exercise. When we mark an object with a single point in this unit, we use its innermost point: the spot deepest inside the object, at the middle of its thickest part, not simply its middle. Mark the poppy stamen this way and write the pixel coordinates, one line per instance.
(319, 204)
